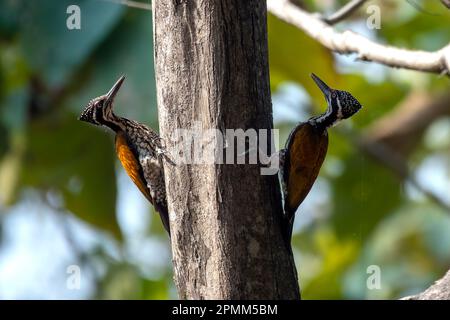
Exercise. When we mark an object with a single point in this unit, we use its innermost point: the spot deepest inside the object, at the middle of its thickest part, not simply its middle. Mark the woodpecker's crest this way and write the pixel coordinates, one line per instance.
(341, 105)
(99, 111)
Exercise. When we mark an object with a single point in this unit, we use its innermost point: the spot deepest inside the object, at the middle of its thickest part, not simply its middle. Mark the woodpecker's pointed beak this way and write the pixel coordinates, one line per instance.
(322, 86)
(113, 91)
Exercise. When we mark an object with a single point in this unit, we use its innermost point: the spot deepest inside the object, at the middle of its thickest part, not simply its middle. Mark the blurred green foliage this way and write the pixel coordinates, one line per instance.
(371, 218)
(48, 73)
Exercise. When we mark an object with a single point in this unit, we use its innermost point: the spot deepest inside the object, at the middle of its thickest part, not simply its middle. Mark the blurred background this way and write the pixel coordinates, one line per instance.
(382, 198)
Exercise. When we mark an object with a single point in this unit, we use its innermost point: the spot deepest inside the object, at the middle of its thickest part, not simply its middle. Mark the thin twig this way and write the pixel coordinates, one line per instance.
(446, 3)
(344, 12)
(419, 8)
(402, 127)
(349, 42)
(132, 4)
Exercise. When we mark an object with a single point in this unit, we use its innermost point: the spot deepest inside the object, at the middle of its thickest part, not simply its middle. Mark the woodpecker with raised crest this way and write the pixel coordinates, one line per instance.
(306, 149)
(138, 147)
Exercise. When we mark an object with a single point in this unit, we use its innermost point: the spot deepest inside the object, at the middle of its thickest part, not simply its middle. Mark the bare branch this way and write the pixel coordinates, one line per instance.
(397, 164)
(446, 3)
(344, 12)
(132, 4)
(419, 8)
(393, 161)
(393, 137)
(349, 42)
(402, 128)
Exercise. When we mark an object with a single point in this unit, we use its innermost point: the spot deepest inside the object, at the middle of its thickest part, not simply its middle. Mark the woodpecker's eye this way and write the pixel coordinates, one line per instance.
(98, 104)
(334, 95)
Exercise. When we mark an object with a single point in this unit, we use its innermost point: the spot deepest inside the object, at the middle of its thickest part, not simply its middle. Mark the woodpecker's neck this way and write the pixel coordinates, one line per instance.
(110, 120)
(327, 119)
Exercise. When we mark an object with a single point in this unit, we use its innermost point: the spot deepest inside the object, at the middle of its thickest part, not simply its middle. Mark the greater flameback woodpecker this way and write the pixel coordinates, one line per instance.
(138, 147)
(306, 149)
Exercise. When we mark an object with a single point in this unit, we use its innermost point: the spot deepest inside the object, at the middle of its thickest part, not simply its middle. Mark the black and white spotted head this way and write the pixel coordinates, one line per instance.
(99, 111)
(341, 104)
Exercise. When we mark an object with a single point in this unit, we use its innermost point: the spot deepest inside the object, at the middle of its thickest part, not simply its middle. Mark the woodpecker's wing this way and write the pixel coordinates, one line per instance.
(154, 139)
(305, 152)
(134, 170)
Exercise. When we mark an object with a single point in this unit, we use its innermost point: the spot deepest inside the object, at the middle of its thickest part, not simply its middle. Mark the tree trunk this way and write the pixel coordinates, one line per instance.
(212, 73)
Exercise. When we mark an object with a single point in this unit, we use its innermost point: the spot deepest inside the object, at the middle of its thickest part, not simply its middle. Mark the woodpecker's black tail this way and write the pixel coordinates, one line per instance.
(164, 214)
(287, 225)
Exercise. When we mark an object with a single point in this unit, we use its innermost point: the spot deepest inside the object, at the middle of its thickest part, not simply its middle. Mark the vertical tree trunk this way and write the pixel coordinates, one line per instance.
(212, 69)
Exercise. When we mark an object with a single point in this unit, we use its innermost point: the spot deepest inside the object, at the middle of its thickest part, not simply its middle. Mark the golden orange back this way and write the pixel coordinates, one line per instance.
(306, 151)
(131, 164)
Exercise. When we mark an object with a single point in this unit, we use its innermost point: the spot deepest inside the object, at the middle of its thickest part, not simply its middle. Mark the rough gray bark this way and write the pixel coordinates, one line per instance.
(440, 290)
(212, 68)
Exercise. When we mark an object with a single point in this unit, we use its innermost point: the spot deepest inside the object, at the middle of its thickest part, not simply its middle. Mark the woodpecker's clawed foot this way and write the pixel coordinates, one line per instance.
(169, 160)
